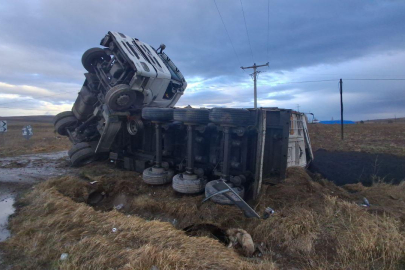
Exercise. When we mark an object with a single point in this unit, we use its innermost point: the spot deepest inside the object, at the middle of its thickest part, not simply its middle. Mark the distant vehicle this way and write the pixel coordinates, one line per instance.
(125, 112)
(315, 121)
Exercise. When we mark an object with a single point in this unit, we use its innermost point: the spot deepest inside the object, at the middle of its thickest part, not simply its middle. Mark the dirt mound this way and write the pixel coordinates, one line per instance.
(317, 225)
(353, 167)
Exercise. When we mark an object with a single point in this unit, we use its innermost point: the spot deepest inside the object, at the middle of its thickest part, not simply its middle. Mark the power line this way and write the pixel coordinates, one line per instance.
(226, 30)
(374, 79)
(247, 32)
(331, 80)
(268, 28)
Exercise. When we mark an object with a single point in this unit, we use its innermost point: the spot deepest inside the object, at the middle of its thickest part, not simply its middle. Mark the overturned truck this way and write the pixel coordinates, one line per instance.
(125, 113)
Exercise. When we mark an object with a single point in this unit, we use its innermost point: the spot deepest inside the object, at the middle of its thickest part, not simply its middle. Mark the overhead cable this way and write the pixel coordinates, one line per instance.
(247, 32)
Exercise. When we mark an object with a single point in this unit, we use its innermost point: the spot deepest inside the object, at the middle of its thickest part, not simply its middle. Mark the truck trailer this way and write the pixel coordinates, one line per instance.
(125, 112)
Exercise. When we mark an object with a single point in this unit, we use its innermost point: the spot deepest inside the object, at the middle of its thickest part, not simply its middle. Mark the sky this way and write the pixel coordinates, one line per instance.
(42, 42)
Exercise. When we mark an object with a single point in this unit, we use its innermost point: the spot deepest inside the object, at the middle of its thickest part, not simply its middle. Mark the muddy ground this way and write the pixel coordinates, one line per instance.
(19, 174)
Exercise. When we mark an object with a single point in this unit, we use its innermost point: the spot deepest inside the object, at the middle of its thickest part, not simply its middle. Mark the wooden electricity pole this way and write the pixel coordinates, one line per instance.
(341, 108)
(254, 76)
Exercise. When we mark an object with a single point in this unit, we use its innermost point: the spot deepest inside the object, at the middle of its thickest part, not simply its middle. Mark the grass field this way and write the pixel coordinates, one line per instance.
(12, 143)
(317, 225)
(373, 138)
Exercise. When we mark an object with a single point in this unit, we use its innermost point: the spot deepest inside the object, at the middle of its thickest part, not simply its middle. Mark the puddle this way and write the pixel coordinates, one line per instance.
(31, 168)
(19, 173)
(6, 209)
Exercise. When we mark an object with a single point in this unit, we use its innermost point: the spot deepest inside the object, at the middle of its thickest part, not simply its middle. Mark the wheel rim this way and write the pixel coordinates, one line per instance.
(120, 99)
(123, 100)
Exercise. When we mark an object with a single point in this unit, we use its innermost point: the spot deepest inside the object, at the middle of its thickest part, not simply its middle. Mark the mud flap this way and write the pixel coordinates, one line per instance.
(223, 188)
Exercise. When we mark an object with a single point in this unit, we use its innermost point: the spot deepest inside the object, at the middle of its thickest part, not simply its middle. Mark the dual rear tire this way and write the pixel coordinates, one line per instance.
(82, 153)
(157, 176)
(188, 183)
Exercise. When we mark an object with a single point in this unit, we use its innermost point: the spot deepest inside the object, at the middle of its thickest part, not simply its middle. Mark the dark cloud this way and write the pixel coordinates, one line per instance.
(42, 43)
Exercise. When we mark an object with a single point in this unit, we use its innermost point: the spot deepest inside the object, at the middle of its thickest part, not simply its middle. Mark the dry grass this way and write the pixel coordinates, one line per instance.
(52, 224)
(316, 226)
(373, 138)
(12, 142)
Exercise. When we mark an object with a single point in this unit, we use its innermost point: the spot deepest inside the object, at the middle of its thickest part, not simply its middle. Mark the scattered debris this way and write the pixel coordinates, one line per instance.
(114, 230)
(64, 256)
(365, 203)
(174, 222)
(93, 182)
(119, 207)
(120, 202)
(267, 212)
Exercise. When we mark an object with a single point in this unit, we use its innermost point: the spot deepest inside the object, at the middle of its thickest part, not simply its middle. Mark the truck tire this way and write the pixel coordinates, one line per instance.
(192, 116)
(230, 116)
(222, 199)
(188, 185)
(120, 97)
(64, 120)
(92, 55)
(157, 114)
(81, 154)
(78, 146)
(157, 176)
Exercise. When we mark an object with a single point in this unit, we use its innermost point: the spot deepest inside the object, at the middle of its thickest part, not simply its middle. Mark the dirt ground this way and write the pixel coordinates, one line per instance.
(369, 138)
(369, 152)
(107, 218)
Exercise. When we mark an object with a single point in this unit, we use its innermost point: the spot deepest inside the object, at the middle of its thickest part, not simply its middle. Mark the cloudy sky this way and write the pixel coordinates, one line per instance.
(42, 42)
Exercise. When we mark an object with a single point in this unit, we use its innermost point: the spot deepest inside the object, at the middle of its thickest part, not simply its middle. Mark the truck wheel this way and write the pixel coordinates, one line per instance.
(64, 120)
(193, 116)
(157, 114)
(81, 154)
(188, 183)
(230, 116)
(157, 176)
(92, 55)
(120, 97)
(222, 199)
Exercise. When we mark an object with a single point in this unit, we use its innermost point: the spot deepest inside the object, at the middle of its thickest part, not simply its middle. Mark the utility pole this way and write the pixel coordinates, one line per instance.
(254, 76)
(341, 108)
